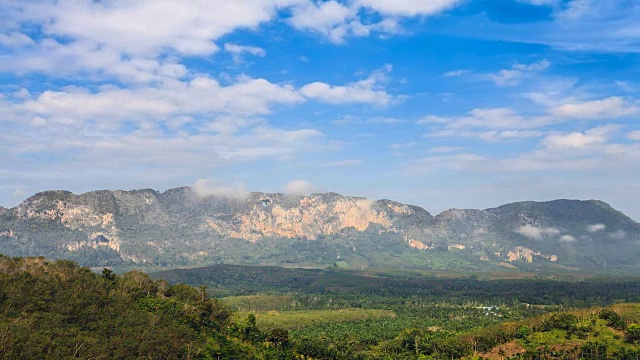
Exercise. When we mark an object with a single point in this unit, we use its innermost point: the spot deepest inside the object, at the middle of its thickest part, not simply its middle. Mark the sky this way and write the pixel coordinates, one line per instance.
(437, 103)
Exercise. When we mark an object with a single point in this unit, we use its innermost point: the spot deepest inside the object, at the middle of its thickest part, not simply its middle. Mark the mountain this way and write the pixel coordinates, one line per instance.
(183, 227)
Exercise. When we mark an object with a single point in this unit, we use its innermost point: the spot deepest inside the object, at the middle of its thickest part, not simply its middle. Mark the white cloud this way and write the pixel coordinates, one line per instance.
(146, 28)
(344, 163)
(634, 135)
(202, 95)
(540, 2)
(596, 227)
(596, 136)
(458, 162)
(402, 145)
(237, 50)
(611, 107)
(445, 149)
(299, 187)
(337, 20)
(567, 238)
(134, 41)
(518, 72)
(367, 91)
(15, 39)
(492, 124)
(209, 187)
(618, 235)
(536, 233)
(455, 73)
(330, 18)
(409, 7)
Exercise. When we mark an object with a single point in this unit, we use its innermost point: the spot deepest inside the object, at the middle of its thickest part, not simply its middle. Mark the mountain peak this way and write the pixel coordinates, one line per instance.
(182, 226)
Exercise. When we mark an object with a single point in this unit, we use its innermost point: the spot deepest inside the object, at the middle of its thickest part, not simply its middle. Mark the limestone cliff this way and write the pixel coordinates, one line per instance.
(301, 217)
(182, 227)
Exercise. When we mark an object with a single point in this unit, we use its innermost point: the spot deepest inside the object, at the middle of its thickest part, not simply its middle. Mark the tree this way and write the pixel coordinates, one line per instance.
(633, 333)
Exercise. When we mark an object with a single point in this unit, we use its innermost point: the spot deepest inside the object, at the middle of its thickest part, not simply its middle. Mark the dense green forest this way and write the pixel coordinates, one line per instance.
(227, 280)
(59, 310)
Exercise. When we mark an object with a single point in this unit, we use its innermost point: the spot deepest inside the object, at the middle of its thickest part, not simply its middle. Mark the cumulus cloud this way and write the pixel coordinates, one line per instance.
(367, 91)
(536, 233)
(573, 140)
(208, 187)
(596, 227)
(201, 95)
(409, 7)
(576, 140)
(299, 187)
(330, 18)
(567, 238)
(338, 20)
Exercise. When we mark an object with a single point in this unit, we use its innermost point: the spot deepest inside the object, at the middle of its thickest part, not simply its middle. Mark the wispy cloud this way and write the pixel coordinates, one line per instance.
(517, 73)
(344, 163)
(455, 73)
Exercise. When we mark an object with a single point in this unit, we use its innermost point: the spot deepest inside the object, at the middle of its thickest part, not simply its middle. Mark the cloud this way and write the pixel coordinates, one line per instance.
(573, 140)
(540, 2)
(517, 73)
(458, 162)
(208, 187)
(367, 91)
(337, 20)
(596, 227)
(15, 39)
(455, 73)
(576, 140)
(344, 163)
(567, 238)
(445, 149)
(536, 233)
(329, 18)
(611, 107)
(618, 235)
(494, 118)
(237, 50)
(409, 7)
(299, 187)
(634, 135)
(147, 28)
(201, 95)
(402, 145)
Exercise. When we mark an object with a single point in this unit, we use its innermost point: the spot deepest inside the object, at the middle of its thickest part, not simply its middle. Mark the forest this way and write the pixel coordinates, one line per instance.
(58, 309)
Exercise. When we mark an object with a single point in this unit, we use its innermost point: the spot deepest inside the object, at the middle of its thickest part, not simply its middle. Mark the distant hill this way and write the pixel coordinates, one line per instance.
(179, 227)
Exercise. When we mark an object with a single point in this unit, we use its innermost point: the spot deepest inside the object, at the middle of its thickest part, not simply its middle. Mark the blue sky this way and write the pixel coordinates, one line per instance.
(438, 103)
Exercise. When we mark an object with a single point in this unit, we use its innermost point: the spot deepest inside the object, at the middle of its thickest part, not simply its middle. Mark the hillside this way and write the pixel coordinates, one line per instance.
(57, 309)
(181, 227)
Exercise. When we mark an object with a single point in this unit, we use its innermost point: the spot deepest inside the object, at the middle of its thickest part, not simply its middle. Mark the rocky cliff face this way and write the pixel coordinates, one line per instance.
(300, 217)
(178, 226)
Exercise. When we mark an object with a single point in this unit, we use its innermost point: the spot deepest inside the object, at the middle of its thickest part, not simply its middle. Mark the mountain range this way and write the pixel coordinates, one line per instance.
(183, 227)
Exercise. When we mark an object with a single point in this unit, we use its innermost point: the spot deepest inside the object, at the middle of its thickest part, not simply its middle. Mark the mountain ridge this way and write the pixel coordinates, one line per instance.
(181, 226)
